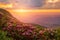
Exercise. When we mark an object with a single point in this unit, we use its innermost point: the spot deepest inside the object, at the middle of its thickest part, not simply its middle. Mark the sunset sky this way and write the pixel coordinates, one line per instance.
(34, 11)
(33, 4)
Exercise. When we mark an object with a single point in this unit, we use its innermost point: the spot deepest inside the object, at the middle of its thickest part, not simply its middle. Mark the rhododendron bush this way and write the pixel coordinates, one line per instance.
(29, 32)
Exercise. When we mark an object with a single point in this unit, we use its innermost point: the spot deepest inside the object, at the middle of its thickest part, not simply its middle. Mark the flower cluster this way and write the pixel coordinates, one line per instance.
(29, 32)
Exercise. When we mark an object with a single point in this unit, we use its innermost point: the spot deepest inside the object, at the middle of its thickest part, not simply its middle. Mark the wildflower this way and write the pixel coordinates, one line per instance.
(41, 32)
(26, 33)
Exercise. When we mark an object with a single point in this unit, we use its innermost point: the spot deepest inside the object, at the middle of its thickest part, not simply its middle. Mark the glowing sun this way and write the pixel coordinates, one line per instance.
(52, 1)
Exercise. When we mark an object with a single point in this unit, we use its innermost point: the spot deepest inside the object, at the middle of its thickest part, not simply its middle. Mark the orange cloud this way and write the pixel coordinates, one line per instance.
(6, 5)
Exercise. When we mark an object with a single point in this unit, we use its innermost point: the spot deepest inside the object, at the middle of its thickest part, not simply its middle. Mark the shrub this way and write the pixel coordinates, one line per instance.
(3, 36)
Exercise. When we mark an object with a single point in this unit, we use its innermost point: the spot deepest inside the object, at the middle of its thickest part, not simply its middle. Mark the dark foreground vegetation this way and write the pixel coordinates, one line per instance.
(12, 29)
